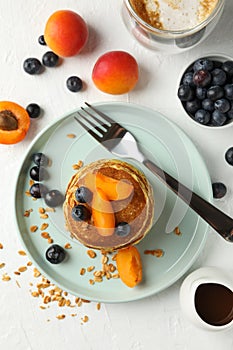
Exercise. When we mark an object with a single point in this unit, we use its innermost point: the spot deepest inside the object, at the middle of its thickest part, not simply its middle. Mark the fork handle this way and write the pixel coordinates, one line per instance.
(221, 222)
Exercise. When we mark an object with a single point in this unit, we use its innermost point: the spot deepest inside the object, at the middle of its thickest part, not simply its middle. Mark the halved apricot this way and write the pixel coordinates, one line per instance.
(114, 189)
(102, 213)
(129, 266)
(14, 122)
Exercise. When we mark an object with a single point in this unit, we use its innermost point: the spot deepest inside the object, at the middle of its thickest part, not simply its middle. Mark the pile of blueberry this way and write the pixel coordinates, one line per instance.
(34, 66)
(38, 172)
(206, 91)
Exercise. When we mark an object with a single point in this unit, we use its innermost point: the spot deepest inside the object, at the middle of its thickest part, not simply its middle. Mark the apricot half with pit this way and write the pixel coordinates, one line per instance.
(14, 122)
(66, 33)
(115, 72)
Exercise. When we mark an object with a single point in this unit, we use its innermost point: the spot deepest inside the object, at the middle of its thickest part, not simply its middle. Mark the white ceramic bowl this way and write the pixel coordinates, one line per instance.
(189, 288)
(212, 56)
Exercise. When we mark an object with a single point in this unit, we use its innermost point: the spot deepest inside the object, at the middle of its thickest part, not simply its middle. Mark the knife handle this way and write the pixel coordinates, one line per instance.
(221, 222)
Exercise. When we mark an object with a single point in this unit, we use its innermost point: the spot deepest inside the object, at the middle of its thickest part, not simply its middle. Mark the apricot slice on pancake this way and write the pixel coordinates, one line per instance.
(114, 189)
(102, 213)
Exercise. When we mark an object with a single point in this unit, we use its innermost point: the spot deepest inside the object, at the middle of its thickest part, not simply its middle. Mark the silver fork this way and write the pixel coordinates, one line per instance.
(122, 143)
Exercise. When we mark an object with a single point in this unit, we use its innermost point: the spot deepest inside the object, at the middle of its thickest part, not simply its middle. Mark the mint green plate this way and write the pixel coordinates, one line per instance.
(163, 142)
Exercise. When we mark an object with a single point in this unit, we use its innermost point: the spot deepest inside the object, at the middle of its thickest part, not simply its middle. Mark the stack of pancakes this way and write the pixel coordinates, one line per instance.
(137, 210)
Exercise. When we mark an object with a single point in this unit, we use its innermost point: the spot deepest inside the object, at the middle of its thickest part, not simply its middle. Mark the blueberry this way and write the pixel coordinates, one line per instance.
(208, 105)
(80, 213)
(41, 40)
(40, 159)
(122, 229)
(192, 106)
(222, 105)
(83, 195)
(228, 88)
(217, 64)
(54, 198)
(219, 77)
(185, 93)
(230, 113)
(55, 254)
(215, 92)
(203, 63)
(228, 67)
(32, 66)
(202, 78)
(38, 173)
(218, 118)
(74, 84)
(202, 116)
(201, 93)
(38, 190)
(50, 59)
(188, 79)
(219, 189)
(33, 110)
(229, 156)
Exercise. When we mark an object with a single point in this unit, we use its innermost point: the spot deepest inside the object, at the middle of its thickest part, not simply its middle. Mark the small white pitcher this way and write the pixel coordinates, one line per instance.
(188, 290)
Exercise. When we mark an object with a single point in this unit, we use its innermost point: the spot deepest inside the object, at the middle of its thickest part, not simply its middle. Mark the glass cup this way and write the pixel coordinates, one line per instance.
(168, 41)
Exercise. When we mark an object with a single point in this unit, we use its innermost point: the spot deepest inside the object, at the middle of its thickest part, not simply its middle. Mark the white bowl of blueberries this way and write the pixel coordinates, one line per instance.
(206, 91)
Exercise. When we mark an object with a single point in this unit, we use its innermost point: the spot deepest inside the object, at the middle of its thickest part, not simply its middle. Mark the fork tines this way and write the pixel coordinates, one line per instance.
(91, 123)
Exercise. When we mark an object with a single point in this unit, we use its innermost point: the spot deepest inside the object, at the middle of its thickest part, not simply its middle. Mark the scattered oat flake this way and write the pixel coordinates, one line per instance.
(17, 273)
(27, 212)
(177, 231)
(60, 317)
(91, 253)
(28, 193)
(1, 246)
(44, 216)
(36, 272)
(67, 246)
(98, 306)
(5, 277)
(17, 282)
(44, 226)
(29, 263)
(45, 235)
(33, 228)
(85, 319)
(2, 265)
(22, 268)
(82, 271)
(73, 315)
(90, 268)
(50, 209)
(22, 252)
(50, 240)
(71, 136)
(41, 210)
(155, 252)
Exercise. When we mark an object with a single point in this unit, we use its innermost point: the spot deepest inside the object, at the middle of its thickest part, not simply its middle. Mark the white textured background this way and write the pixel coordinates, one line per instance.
(153, 323)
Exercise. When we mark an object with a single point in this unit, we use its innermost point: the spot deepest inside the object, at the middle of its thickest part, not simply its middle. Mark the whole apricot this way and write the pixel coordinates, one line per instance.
(14, 122)
(115, 72)
(66, 33)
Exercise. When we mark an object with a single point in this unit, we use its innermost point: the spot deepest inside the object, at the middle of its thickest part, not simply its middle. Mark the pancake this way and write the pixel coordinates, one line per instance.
(136, 210)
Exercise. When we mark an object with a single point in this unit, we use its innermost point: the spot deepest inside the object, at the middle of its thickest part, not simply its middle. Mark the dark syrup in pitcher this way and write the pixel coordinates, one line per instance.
(214, 303)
